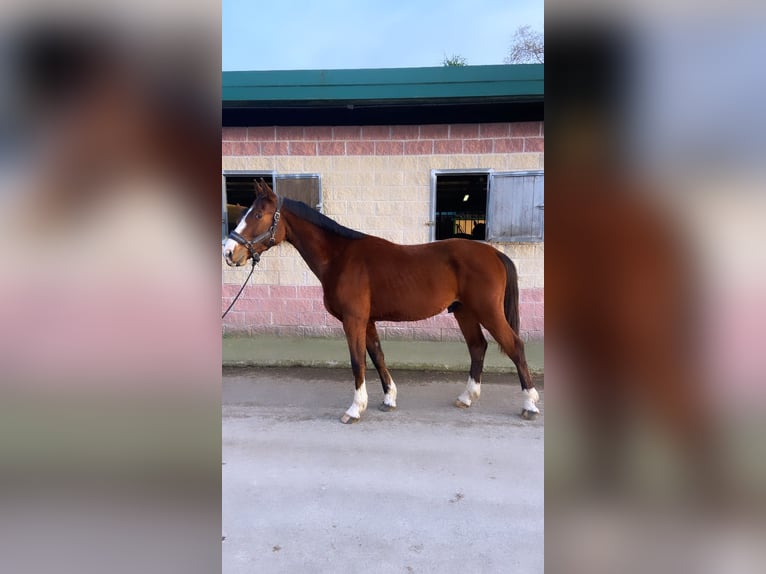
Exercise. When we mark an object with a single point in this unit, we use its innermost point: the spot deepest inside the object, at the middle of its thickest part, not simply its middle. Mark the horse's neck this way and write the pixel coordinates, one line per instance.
(317, 246)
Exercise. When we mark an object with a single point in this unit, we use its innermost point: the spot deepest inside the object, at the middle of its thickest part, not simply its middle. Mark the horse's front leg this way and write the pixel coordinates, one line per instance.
(356, 337)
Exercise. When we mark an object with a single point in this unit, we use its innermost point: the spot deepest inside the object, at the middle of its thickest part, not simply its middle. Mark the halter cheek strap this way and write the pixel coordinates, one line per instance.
(270, 233)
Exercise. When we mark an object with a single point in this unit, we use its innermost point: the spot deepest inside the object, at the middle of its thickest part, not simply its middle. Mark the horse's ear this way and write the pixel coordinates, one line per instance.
(266, 189)
(261, 189)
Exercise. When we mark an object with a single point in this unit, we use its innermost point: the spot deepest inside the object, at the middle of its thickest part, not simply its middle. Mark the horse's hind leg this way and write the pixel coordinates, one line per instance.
(513, 346)
(477, 347)
(376, 354)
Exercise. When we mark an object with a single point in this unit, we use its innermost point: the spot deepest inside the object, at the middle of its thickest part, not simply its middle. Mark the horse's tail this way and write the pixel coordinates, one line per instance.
(511, 301)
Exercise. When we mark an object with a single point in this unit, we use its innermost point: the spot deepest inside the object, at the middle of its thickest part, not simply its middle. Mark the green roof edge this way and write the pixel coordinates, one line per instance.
(519, 81)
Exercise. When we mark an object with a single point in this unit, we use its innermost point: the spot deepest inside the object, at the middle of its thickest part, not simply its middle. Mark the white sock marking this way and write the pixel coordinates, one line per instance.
(531, 400)
(389, 398)
(471, 392)
(360, 402)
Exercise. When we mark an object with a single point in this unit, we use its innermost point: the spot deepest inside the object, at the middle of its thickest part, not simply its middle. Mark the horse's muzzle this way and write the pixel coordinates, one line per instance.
(227, 255)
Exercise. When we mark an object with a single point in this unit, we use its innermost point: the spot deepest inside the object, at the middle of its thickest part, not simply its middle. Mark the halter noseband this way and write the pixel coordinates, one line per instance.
(270, 233)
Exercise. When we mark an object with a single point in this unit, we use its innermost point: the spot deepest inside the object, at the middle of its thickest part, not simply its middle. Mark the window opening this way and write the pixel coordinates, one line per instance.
(461, 205)
(239, 195)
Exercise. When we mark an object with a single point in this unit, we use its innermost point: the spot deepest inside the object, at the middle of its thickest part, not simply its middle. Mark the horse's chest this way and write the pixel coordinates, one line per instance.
(344, 288)
(332, 306)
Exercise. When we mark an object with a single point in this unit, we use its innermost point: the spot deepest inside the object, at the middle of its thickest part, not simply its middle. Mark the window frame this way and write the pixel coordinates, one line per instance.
(491, 175)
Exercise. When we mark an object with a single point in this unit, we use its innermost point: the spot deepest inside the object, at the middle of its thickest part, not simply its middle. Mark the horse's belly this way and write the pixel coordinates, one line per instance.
(408, 307)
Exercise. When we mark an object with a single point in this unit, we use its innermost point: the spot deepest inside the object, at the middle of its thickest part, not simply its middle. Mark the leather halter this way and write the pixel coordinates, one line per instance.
(270, 233)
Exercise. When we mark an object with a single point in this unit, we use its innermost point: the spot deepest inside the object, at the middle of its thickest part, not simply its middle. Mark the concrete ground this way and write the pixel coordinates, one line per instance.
(426, 488)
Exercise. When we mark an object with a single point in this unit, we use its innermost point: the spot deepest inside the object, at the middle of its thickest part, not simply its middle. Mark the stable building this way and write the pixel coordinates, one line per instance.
(411, 155)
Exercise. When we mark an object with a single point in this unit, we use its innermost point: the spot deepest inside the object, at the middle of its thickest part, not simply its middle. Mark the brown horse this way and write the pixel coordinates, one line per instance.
(367, 279)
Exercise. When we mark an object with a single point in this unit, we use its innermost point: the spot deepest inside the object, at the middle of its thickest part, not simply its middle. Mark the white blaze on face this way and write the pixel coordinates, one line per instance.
(230, 244)
(471, 392)
(389, 398)
(360, 402)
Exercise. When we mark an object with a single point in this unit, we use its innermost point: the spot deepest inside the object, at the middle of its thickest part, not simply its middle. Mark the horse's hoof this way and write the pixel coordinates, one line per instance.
(460, 404)
(528, 415)
(386, 408)
(347, 420)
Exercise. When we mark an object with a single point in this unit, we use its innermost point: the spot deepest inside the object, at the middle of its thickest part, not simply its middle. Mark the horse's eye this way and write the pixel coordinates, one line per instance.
(258, 215)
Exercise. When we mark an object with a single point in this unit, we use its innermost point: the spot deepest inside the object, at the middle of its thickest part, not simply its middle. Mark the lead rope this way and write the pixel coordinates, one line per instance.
(255, 257)
(240, 289)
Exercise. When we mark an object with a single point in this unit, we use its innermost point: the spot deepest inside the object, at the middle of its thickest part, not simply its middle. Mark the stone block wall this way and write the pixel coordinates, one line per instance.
(375, 179)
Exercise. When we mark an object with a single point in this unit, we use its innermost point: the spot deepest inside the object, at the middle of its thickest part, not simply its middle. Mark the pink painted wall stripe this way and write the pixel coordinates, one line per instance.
(273, 141)
(289, 310)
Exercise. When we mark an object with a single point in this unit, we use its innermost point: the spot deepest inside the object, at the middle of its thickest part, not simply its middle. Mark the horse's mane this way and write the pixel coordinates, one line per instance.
(322, 221)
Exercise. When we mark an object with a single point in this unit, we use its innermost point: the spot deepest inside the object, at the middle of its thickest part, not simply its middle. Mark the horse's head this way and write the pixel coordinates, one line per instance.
(257, 230)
